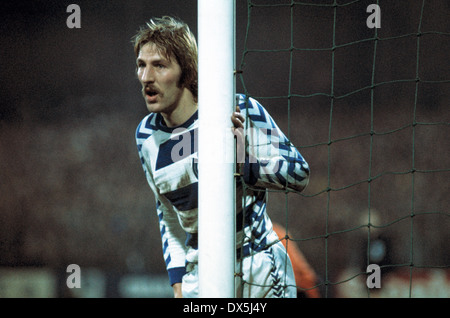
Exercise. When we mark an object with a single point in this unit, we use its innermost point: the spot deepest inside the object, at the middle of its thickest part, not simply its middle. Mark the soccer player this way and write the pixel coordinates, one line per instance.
(166, 57)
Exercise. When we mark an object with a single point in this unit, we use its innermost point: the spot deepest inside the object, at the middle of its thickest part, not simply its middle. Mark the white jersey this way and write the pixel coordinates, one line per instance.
(270, 161)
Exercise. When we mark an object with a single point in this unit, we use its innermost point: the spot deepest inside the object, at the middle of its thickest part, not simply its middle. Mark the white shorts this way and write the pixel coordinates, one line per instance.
(266, 274)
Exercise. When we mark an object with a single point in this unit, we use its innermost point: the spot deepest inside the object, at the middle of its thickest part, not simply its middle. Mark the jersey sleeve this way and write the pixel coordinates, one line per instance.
(271, 160)
(172, 235)
(173, 238)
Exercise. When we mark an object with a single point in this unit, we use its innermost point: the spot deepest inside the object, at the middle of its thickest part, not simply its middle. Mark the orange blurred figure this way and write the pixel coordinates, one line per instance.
(305, 276)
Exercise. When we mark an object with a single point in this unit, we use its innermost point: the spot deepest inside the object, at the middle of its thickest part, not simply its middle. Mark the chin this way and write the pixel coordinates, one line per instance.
(153, 108)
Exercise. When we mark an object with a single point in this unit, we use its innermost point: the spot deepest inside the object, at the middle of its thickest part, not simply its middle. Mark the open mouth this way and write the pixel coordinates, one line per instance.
(150, 94)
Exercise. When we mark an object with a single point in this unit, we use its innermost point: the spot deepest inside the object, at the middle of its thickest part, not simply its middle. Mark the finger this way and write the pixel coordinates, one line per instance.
(238, 134)
(238, 115)
(237, 120)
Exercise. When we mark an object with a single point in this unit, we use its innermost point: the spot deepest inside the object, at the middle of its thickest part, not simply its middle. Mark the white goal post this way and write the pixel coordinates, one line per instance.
(216, 197)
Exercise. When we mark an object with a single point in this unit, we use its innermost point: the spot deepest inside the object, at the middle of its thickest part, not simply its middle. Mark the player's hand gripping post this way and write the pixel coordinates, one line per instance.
(238, 131)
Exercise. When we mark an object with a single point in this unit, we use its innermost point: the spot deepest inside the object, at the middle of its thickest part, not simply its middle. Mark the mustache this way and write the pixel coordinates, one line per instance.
(150, 89)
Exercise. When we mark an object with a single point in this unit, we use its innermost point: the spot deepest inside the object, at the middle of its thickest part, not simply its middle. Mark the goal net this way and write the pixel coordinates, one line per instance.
(362, 89)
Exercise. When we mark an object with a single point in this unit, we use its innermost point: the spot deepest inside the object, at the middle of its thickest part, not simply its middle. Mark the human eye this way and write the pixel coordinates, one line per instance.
(140, 64)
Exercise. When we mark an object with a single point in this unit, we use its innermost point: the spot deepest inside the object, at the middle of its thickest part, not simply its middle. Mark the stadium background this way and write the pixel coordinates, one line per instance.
(72, 188)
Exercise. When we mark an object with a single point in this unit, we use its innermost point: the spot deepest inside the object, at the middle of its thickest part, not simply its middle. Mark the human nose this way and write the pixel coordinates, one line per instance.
(147, 75)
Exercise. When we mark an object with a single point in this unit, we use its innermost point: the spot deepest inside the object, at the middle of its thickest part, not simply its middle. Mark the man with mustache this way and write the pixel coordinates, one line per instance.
(166, 57)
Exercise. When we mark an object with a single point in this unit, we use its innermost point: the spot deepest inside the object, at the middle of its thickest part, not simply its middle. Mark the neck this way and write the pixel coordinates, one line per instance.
(187, 106)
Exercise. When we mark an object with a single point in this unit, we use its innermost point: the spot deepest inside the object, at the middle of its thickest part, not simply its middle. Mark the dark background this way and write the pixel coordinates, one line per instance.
(72, 189)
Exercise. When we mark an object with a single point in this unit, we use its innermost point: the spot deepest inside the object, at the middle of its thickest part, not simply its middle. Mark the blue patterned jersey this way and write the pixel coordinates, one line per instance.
(268, 160)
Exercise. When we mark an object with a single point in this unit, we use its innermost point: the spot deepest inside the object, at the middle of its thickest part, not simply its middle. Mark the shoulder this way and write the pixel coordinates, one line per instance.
(245, 101)
(250, 105)
(254, 110)
(145, 128)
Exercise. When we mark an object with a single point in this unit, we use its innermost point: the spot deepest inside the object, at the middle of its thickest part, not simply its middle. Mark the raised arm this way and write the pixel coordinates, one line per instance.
(270, 160)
